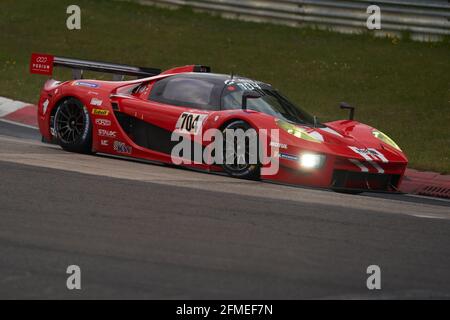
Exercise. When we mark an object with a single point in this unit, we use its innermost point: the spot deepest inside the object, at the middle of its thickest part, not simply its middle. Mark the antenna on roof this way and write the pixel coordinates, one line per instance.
(232, 75)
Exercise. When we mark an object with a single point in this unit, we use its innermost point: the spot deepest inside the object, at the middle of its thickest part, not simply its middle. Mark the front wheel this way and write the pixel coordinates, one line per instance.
(238, 163)
(72, 126)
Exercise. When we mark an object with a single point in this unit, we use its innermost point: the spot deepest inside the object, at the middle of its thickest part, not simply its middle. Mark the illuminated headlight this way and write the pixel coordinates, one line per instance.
(311, 160)
(383, 137)
(296, 131)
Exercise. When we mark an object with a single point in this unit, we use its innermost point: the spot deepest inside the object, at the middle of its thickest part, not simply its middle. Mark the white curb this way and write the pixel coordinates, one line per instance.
(8, 106)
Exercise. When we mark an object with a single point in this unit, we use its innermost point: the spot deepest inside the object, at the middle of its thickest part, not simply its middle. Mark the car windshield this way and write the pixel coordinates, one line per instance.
(271, 102)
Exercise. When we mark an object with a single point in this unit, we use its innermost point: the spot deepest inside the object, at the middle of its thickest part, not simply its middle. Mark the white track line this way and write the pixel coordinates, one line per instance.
(427, 197)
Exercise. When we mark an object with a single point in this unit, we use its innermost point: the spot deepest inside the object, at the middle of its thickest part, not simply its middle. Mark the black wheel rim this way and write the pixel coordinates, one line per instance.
(69, 122)
(232, 161)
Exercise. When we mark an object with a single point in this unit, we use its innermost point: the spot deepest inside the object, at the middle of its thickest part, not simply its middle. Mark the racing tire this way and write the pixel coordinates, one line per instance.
(72, 126)
(245, 170)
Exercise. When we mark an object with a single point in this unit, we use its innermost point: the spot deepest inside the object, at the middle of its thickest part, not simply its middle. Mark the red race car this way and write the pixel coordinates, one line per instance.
(139, 118)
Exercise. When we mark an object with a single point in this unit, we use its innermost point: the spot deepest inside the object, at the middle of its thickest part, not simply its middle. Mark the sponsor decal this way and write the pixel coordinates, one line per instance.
(86, 123)
(122, 147)
(96, 102)
(244, 84)
(103, 122)
(41, 64)
(107, 133)
(44, 106)
(371, 156)
(288, 156)
(104, 143)
(278, 145)
(190, 122)
(86, 84)
(377, 154)
(100, 112)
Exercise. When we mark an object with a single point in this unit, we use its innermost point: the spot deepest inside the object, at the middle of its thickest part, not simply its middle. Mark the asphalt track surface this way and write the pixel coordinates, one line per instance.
(147, 231)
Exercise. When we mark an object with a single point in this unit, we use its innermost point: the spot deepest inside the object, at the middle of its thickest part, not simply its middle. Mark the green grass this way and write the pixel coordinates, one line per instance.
(400, 87)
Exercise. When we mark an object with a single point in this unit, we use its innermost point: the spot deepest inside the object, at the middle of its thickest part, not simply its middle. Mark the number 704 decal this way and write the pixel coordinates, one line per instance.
(190, 122)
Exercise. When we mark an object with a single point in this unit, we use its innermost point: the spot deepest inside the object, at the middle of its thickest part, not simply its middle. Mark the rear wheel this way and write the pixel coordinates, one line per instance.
(245, 168)
(72, 126)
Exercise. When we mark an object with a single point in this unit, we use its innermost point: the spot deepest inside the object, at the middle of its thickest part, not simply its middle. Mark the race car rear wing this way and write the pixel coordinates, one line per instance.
(118, 70)
(43, 64)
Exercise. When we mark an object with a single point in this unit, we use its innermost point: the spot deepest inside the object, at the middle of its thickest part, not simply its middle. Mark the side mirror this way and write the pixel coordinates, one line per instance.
(345, 105)
(249, 95)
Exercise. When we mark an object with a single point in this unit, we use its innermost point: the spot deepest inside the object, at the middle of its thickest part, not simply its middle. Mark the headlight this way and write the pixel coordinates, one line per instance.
(311, 160)
(296, 131)
(380, 135)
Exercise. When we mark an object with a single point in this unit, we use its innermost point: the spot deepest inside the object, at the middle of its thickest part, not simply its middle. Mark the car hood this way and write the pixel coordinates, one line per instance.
(351, 139)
